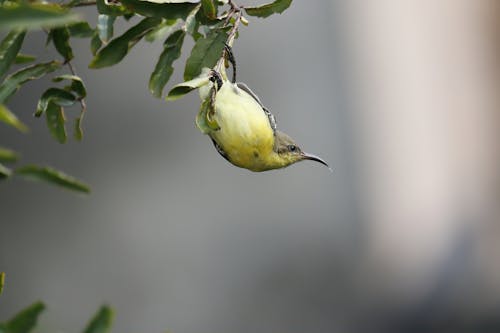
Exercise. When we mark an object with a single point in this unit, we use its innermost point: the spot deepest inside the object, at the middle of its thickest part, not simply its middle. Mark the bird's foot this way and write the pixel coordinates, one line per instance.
(216, 78)
(231, 59)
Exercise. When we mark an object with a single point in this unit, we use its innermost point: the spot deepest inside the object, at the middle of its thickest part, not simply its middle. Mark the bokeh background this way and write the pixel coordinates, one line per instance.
(401, 97)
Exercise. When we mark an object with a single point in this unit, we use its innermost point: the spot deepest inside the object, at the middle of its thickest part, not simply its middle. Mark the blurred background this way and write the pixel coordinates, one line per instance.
(402, 98)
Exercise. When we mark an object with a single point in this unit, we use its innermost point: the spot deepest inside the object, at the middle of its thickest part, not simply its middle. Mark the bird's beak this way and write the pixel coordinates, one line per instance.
(306, 156)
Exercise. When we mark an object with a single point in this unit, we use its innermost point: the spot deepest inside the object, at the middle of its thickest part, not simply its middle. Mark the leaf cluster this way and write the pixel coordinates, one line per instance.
(210, 23)
(25, 321)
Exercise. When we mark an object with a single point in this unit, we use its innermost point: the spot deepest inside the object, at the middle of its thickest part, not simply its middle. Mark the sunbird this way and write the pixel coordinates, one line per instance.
(244, 131)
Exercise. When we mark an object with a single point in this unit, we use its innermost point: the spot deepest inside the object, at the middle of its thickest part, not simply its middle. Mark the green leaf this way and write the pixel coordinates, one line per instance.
(7, 155)
(24, 321)
(60, 38)
(203, 20)
(192, 23)
(101, 322)
(24, 58)
(183, 88)
(110, 9)
(164, 68)
(80, 30)
(167, 10)
(34, 16)
(74, 3)
(54, 95)
(76, 85)
(2, 282)
(105, 27)
(78, 132)
(47, 174)
(10, 119)
(209, 8)
(9, 48)
(118, 48)
(266, 10)
(55, 121)
(205, 53)
(14, 81)
(51, 103)
(161, 31)
(4, 174)
(95, 43)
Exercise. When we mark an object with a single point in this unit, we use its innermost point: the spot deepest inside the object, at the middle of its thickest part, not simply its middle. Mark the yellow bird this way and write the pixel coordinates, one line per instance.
(244, 131)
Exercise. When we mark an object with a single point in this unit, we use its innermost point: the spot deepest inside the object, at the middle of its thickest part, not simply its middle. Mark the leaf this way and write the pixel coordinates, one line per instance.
(118, 48)
(205, 53)
(24, 321)
(74, 3)
(183, 88)
(209, 8)
(14, 81)
(161, 31)
(167, 10)
(95, 43)
(60, 38)
(266, 10)
(101, 322)
(164, 68)
(110, 9)
(9, 48)
(34, 16)
(10, 119)
(4, 174)
(105, 27)
(76, 85)
(203, 20)
(24, 58)
(80, 30)
(2, 281)
(7, 155)
(55, 121)
(192, 23)
(78, 88)
(78, 132)
(54, 95)
(47, 174)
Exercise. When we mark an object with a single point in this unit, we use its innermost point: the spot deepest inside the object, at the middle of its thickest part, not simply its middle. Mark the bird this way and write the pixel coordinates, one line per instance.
(243, 130)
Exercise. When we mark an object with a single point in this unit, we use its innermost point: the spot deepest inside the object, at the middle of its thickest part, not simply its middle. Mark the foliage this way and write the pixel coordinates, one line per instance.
(211, 23)
(2, 281)
(25, 321)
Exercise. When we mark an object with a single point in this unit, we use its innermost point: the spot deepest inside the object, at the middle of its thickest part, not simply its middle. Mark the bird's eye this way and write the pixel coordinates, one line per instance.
(292, 148)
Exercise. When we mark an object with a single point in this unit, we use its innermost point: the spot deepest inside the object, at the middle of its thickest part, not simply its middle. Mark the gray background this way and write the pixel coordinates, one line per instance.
(399, 97)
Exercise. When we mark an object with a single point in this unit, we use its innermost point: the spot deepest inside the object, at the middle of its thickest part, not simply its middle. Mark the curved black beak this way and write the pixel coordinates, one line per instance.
(312, 157)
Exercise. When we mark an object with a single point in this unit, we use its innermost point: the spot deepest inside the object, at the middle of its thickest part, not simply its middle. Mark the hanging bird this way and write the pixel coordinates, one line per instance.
(242, 129)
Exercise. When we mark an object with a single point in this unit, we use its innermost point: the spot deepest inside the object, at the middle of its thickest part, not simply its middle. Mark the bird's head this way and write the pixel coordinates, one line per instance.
(287, 151)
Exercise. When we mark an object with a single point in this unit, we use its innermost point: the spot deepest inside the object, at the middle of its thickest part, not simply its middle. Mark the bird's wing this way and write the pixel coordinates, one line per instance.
(245, 88)
(220, 150)
(272, 119)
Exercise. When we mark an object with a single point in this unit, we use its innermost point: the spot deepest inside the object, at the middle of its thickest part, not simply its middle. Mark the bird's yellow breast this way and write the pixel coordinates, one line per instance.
(245, 134)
